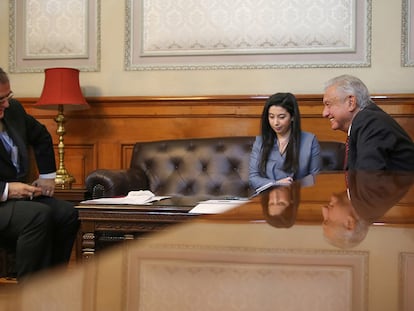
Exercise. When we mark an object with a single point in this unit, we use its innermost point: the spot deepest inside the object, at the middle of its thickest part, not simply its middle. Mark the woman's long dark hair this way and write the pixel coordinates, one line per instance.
(288, 102)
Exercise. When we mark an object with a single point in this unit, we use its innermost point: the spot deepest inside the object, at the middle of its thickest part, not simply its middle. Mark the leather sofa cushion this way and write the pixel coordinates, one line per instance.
(210, 166)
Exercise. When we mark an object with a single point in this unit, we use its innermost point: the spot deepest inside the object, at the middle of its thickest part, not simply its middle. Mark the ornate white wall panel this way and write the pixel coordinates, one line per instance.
(407, 281)
(214, 278)
(407, 50)
(191, 34)
(47, 33)
(55, 29)
(247, 27)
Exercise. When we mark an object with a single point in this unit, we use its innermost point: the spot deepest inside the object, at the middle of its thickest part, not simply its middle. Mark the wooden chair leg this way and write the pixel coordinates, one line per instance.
(7, 263)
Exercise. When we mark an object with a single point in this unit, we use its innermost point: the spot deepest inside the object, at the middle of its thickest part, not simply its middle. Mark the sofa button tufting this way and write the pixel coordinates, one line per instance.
(165, 167)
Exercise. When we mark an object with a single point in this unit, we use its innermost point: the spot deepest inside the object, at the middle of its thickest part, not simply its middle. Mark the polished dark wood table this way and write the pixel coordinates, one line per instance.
(343, 243)
(103, 225)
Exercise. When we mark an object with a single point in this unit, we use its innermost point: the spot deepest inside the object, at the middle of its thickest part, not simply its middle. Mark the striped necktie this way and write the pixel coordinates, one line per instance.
(346, 153)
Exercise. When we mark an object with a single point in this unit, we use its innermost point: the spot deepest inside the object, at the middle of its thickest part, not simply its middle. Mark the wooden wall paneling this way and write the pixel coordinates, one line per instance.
(78, 161)
(126, 155)
(108, 154)
(103, 136)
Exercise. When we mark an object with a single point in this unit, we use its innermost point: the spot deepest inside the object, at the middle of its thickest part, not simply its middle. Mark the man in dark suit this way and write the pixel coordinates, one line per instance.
(375, 140)
(41, 228)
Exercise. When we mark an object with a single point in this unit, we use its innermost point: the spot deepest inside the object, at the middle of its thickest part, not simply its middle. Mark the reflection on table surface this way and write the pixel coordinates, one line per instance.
(345, 205)
(374, 197)
(274, 252)
(366, 197)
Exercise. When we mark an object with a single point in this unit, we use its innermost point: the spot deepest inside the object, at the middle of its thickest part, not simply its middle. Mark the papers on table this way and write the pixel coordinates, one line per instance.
(145, 197)
(271, 184)
(217, 206)
(133, 197)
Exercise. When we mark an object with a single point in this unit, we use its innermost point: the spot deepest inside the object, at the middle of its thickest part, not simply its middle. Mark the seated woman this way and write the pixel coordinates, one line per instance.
(283, 152)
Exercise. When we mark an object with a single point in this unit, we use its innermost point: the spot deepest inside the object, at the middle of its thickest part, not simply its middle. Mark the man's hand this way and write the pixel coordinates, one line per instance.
(19, 190)
(47, 186)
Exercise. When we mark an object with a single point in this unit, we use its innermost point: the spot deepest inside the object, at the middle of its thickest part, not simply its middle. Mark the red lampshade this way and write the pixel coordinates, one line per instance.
(62, 87)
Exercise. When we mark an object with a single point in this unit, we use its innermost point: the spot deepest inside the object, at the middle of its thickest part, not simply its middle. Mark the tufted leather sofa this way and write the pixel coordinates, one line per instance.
(203, 167)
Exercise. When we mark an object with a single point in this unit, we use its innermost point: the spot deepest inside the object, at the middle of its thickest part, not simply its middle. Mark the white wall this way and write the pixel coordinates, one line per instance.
(384, 76)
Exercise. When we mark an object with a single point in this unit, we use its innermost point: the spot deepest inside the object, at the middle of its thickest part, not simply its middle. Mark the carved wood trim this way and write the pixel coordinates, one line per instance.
(242, 105)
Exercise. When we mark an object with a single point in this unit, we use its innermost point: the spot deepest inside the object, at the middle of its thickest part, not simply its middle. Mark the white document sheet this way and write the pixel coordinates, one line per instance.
(217, 206)
(133, 197)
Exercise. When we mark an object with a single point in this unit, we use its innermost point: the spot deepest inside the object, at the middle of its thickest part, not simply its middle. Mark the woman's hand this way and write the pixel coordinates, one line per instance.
(286, 180)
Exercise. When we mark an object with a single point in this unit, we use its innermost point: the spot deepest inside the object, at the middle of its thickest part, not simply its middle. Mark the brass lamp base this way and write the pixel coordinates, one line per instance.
(64, 180)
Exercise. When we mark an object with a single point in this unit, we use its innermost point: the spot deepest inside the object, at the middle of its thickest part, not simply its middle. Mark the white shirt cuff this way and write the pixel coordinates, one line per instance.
(48, 176)
(4, 195)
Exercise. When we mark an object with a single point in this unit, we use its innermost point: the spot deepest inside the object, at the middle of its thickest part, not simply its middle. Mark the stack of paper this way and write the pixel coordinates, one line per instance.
(133, 197)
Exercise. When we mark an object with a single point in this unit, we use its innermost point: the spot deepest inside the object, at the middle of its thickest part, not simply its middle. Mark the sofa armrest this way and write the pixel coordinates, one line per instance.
(112, 183)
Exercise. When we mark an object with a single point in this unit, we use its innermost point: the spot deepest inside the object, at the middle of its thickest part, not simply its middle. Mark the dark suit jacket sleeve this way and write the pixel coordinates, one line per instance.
(33, 134)
(377, 142)
(372, 145)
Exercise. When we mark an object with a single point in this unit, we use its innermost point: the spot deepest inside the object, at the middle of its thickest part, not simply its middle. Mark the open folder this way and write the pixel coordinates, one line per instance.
(133, 197)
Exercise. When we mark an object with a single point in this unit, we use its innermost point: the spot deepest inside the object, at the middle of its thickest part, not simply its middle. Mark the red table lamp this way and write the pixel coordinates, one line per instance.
(62, 91)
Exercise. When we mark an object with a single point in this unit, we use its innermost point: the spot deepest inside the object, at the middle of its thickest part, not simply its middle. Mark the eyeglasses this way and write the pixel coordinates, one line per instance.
(7, 97)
